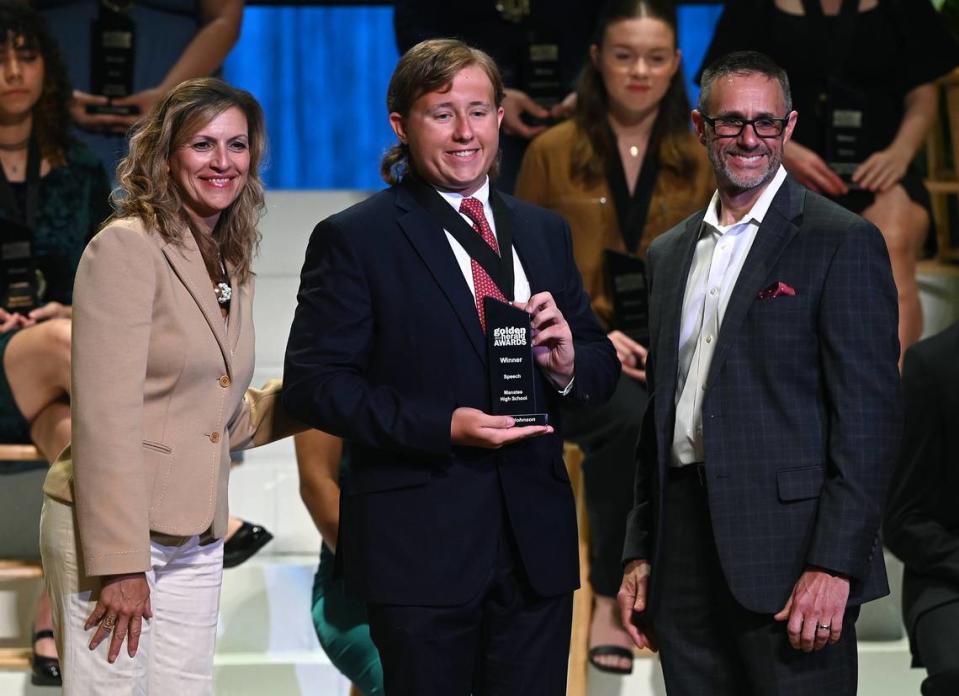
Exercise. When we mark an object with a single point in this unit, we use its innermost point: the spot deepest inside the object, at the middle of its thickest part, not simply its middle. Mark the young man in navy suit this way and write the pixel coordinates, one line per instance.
(457, 526)
(763, 463)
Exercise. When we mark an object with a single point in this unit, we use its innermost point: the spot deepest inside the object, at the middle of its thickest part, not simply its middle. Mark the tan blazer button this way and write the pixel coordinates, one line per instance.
(225, 381)
(214, 437)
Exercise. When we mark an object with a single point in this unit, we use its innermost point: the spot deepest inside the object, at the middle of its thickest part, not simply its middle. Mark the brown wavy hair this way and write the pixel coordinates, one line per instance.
(147, 191)
(51, 113)
(590, 159)
(430, 66)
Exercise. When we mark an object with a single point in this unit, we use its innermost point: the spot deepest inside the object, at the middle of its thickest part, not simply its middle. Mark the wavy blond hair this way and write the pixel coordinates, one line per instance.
(146, 189)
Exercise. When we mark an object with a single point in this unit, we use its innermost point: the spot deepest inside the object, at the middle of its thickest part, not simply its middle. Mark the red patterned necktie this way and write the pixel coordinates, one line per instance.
(483, 285)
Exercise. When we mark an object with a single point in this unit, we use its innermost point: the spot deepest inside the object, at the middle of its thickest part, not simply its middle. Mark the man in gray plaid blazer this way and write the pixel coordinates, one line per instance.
(763, 461)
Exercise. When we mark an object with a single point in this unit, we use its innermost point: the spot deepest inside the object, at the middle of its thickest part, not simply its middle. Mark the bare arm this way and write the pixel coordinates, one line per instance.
(219, 29)
(220, 20)
(318, 460)
(883, 169)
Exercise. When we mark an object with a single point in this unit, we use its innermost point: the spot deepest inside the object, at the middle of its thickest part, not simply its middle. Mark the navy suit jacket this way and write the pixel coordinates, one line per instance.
(801, 414)
(922, 519)
(385, 344)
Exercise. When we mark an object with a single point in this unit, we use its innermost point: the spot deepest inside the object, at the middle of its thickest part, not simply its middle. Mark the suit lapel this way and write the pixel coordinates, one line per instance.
(670, 280)
(430, 242)
(235, 323)
(774, 234)
(188, 265)
(532, 258)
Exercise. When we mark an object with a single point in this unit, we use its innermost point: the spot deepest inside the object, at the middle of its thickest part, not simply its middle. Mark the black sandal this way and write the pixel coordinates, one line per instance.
(45, 671)
(614, 651)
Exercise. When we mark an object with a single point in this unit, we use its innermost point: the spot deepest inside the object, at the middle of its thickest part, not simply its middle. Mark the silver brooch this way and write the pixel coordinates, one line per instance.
(223, 292)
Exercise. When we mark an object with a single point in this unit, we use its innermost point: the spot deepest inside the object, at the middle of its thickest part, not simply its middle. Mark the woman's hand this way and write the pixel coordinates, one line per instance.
(95, 123)
(811, 170)
(882, 170)
(515, 105)
(10, 321)
(143, 101)
(123, 604)
(632, 355)
(51, 310)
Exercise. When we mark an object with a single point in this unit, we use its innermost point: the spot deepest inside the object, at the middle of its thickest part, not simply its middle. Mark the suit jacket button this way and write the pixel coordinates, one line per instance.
(214, 437)
(225, 381)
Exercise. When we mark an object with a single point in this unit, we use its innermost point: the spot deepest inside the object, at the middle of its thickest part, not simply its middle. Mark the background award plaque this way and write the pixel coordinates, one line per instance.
(19, 285)
(626, 276)
(844, 134)
(112, 36)
(511, 366)
(542, 80)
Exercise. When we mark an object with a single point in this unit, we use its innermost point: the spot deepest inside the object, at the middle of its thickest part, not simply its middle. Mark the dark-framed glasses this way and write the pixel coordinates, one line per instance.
(765, 127)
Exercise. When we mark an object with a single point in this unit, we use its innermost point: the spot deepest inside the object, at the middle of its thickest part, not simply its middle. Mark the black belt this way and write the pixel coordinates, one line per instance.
(695, 470)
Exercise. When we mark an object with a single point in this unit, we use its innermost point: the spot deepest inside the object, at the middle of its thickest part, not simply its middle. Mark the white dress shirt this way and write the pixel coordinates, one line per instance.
(521, 291)
(717, 261)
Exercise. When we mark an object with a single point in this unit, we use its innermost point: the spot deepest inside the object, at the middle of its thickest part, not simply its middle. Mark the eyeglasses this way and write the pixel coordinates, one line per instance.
(765, 127)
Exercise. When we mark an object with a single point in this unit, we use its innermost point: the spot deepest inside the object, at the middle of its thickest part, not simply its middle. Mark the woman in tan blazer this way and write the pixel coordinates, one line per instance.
(622, 171)
(136, 508)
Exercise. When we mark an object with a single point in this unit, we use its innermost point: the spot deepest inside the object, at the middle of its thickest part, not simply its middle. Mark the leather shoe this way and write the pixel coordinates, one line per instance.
(44, 671)
(247, 540)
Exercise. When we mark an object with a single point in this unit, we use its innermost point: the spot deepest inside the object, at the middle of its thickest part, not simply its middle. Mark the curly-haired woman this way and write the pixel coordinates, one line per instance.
(136, 509)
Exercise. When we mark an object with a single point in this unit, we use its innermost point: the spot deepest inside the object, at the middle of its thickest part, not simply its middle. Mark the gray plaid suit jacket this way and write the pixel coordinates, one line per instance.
(801, 415)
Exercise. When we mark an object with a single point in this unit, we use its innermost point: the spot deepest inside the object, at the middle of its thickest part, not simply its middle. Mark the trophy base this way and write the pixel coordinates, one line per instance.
(112, 110)
(524, 419)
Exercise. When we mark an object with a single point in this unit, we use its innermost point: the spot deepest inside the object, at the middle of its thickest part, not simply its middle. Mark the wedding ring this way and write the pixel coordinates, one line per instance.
(108, 622)
(823, 627)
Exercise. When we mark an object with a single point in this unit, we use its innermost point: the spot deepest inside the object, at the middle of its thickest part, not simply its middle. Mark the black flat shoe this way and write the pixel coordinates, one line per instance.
(247, 540)
(614, 651)
(45, 671)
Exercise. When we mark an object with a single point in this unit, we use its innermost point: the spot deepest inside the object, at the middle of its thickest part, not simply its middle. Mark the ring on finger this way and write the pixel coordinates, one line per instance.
(823, 627)
(109, 622)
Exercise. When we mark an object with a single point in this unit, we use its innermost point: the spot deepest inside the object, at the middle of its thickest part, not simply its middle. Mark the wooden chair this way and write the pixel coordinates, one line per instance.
(577, 683)
(18, 569)
(942, 181)
(583, 597)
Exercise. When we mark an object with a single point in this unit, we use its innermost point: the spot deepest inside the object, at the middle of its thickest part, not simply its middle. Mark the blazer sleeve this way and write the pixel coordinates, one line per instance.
(113, 307)
(912, 531)
(859, 351)
(261, 418)
(639, 521)
(326, 371)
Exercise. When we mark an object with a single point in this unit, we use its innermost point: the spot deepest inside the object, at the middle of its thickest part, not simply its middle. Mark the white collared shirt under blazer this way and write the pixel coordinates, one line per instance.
(717, 260)
(159, 397)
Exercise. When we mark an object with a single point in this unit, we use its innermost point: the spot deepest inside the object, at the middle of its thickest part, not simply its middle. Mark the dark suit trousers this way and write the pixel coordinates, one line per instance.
(710, 645)
(506, 641)
(607, 435)
(937, 638)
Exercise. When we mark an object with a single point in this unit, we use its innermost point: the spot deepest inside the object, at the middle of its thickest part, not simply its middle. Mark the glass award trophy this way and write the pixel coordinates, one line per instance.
(844, 136)
(626, 277)
(19, 281)
(112, 51)
(511, 368)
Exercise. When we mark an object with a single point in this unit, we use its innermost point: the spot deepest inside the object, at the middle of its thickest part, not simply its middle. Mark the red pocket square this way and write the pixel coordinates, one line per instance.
(776, 290)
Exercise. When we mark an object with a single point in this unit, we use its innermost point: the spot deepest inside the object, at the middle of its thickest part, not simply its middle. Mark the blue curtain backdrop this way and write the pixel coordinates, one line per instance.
(321, 75)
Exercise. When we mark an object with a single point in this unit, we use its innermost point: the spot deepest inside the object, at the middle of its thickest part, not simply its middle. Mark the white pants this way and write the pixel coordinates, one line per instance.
(175, 657)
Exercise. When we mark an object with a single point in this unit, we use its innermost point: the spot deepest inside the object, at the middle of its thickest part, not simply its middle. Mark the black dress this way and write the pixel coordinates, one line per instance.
(889, 50)
(73, 203)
